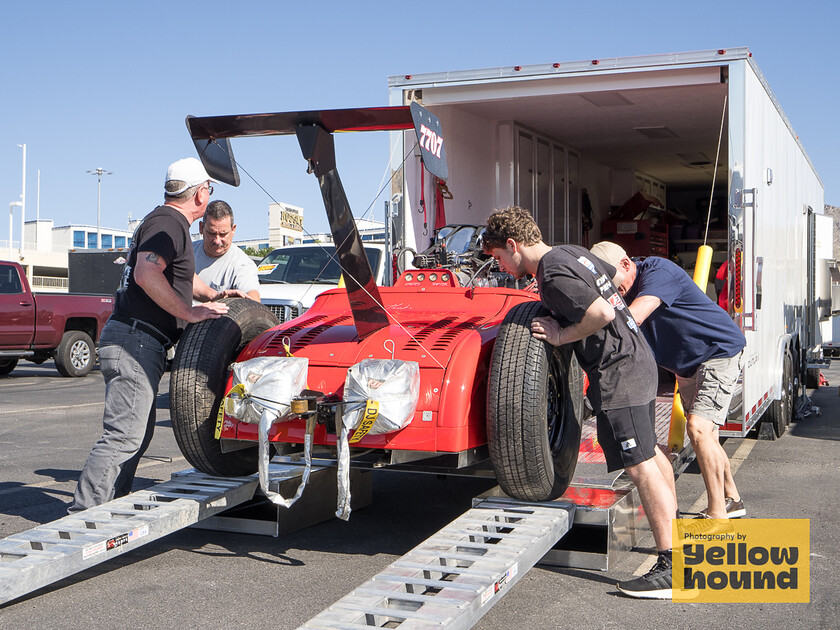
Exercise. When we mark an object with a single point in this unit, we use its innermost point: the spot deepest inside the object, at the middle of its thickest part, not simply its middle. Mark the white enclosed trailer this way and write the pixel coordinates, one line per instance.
(703, 139)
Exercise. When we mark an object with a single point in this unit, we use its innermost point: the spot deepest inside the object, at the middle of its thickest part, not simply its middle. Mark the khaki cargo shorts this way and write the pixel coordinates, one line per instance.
(709, 392)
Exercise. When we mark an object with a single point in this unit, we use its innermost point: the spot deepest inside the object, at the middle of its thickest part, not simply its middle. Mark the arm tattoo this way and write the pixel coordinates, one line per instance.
(153, 258)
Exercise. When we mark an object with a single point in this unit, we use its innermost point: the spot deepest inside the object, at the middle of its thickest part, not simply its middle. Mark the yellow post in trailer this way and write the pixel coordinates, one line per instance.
(676, 434)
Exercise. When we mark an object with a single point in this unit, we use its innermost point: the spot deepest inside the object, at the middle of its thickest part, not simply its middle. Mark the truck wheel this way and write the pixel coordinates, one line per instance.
(812, 378)
(197, 382)
(75, 354)
(7, 365)
(781, 411)
(534, 410)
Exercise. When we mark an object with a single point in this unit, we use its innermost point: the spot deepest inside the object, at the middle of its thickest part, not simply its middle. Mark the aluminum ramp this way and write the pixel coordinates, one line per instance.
(452, 579)
(41, 556)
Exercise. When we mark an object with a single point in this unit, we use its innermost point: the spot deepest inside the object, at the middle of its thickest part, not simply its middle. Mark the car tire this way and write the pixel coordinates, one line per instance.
(7, 365)
(535, 408)
(197, 381)
(75, 355)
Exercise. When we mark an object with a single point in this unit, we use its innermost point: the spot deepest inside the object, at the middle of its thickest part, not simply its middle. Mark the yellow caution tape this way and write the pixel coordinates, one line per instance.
(369, 417)
(238, 390)
(220, 417)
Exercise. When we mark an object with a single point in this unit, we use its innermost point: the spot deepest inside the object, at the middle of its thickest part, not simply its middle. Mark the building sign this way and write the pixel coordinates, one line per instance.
(291, 220)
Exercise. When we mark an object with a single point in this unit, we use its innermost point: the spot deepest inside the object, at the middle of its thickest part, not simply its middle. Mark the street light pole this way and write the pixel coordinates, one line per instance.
(99, 172)
(23, 199)
(11, 227)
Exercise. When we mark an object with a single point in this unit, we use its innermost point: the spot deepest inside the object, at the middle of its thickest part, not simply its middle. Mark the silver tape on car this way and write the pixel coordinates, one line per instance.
(262, 393)
(394, 384)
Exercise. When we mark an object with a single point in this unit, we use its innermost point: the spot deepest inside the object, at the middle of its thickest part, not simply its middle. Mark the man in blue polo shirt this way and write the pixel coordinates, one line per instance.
(695, 339)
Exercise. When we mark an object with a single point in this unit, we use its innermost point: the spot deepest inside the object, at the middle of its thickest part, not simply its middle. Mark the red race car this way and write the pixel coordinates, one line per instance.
(454, 332)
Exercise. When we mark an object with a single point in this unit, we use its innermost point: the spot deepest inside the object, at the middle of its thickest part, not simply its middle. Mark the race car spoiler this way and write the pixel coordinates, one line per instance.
(211, 136)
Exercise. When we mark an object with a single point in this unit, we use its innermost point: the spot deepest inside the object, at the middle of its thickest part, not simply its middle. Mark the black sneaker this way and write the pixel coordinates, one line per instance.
(655, 584)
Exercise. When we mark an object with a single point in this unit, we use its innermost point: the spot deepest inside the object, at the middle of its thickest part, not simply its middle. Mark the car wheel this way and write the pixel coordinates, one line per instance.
(75, 354)
(197, 381)
(535, 408)
(7, 365)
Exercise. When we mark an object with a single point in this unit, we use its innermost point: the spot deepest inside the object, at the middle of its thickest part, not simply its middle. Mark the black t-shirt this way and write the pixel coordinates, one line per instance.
(166, 232)
(616, 358)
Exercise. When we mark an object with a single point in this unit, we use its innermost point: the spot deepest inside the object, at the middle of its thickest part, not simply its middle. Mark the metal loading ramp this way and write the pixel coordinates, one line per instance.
(453, 578)
(38, 557)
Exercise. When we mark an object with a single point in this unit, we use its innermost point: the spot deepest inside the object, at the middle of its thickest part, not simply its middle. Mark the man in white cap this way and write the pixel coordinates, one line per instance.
(153, 301)
(697, 341)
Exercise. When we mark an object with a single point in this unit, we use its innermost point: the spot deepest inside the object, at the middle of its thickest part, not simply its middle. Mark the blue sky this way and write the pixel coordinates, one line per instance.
(109, 84)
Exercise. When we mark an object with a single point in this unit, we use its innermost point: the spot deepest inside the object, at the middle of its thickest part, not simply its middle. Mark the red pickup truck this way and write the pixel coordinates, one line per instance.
(48, 325)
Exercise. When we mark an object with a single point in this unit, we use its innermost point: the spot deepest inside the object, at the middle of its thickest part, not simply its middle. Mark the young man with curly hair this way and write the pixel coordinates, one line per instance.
(587, 312)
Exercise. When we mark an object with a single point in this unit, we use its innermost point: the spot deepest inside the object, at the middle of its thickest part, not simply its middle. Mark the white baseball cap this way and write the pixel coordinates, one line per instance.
(190, 171)
(609, 252)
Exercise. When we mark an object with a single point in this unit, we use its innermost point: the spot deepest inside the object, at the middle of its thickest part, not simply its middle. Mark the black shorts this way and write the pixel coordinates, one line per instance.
(627, 435)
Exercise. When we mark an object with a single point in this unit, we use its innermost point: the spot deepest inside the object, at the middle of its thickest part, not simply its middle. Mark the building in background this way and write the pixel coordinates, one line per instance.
(43, 251)
(373, 231)
(285, 224)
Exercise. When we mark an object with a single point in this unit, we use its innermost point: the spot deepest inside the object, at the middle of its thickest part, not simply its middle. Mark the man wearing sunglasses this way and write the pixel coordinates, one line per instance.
(153, 303)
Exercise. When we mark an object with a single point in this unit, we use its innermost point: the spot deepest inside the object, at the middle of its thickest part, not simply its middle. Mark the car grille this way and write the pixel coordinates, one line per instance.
(284, 312)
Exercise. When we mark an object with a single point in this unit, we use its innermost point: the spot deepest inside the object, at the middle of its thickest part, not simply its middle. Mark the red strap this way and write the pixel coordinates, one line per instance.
(440, 211)
(423, 198)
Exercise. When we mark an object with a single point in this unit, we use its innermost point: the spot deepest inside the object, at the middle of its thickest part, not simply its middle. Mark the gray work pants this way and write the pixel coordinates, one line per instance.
(132, 363)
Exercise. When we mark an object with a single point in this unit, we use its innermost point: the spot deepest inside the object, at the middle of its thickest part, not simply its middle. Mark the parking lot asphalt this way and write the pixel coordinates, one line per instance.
(211, 579)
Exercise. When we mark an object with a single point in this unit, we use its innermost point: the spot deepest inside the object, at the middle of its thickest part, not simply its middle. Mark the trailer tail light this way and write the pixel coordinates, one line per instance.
(737, 282)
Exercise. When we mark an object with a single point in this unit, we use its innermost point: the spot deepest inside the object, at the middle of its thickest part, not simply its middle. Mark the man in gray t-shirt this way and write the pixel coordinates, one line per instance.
(216, 262)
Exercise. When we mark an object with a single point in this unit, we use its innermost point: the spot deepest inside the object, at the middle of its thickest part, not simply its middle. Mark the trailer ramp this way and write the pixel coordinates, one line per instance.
(453, 578)
(45, 554)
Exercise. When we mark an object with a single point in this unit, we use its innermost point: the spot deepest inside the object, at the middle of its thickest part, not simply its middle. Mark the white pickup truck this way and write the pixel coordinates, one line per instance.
(292, 277)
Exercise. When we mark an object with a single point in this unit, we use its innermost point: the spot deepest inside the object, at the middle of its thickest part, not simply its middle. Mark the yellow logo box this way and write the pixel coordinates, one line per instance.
(743, 560)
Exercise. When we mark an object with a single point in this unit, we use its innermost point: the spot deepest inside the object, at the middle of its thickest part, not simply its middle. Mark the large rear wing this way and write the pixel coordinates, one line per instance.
(211, 136)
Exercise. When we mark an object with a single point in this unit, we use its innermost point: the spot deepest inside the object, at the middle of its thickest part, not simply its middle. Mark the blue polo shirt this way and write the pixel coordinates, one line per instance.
(687, 328)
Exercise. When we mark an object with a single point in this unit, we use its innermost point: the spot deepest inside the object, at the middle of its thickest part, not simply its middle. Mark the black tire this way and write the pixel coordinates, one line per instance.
(196, 385)
(7, 365)
(75, 355)
(535, 408)
(780, 413)
(812, 378)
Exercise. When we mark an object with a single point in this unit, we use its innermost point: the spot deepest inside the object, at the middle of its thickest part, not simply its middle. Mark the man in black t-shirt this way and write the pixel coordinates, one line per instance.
(154, 302)
(698, 342)
(588, 312)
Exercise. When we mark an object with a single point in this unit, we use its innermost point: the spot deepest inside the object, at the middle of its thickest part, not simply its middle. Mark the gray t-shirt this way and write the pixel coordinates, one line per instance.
(233, 270)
